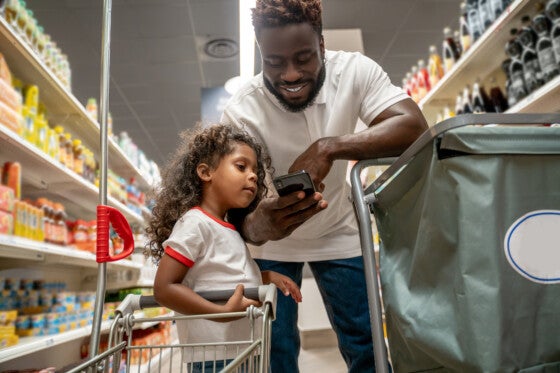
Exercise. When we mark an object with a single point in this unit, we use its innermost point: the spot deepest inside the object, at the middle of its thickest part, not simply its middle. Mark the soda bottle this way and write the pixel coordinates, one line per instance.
(553, 12)
(531, 67)
(449, 52)
(465, 38)
(435, 67)
(545, 53)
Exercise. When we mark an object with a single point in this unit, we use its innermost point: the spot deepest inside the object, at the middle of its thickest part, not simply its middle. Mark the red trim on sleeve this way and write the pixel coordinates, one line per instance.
(178, 257)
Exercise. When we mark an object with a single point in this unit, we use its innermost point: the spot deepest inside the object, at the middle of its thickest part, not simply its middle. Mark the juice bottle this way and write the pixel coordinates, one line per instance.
(435, 67)
(29, 112)
(464, 29)
(422, 80)
(69, 151)
(52, 144)
(78, 155)
(531, 67)
(414, 83)
(61, 144)
(449, 50)
(91, 108)
(405, 86)
(42, 127)
(545, 52)
(44, 205)
(553, 12)
(11, 10)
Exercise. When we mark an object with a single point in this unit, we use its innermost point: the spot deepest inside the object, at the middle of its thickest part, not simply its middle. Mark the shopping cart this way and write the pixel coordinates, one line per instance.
(125, 355)
(469, 226)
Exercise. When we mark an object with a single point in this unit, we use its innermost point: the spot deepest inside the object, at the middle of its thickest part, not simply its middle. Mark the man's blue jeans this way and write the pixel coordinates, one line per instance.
(343, 289)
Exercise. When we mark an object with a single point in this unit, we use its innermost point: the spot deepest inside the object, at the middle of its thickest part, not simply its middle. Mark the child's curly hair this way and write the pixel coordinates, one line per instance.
(181, 188)
(275, 13)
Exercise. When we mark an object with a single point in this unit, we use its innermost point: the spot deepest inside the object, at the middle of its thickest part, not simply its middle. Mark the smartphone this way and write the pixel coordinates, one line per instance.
(289, 183)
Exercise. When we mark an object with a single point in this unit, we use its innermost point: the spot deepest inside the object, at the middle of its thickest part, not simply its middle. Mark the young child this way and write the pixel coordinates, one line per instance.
(215, 178)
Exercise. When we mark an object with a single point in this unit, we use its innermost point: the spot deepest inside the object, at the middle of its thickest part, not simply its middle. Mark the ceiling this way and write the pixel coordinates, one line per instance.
(158, 65)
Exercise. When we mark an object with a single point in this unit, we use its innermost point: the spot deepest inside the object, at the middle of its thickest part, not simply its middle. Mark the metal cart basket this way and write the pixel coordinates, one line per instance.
(124, 355)
(469, 225)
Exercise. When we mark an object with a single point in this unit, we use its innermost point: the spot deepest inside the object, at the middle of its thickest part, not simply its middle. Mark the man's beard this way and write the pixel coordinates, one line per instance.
(294, 108)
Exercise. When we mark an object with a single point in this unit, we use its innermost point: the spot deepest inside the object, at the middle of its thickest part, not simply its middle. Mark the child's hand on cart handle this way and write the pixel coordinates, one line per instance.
(285, 284)
(237, 302)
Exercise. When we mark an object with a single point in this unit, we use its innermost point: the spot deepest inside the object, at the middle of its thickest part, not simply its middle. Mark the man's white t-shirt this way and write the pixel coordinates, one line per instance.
(355, 88)
(218, 259)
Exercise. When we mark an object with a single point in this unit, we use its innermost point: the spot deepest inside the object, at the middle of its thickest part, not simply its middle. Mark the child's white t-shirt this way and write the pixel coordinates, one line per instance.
(218, 259)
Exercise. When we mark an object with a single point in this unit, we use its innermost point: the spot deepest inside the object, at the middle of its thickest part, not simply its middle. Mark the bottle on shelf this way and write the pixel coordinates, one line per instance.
(473, 19)
(406, 87)
(480, 100)
(485, 14)
(497, 98)
(517, 89)
(466, 101)
(449, 52)
(496, 7)
(91, 108)
(413, 79)
(423, 80)
(465, 38)
(531, 67)
(459, 105)
(447, 112)
(457, 40)
(59, 130)
(552, 10)
(435, 66)
(547, 61)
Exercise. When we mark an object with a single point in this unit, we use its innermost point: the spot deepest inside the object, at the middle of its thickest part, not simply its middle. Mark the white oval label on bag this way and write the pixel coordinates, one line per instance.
(532, 246)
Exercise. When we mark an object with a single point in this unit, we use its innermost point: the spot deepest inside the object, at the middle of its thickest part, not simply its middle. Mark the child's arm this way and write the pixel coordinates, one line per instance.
(170, 292)
(286, 285)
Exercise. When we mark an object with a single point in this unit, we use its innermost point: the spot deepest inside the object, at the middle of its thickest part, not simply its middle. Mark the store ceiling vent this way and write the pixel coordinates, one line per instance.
(217, 48)
(349, 40)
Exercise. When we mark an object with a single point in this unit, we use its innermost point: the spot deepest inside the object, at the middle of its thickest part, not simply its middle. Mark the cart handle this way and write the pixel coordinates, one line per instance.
(262, 293)
(107, 216)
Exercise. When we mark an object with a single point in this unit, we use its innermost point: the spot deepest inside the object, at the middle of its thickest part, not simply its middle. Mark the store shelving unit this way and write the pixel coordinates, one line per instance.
(44, 176)
(62, 106)
(482, 61)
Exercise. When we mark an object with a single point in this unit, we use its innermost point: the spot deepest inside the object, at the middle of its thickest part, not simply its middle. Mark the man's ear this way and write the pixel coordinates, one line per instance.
(204, 172)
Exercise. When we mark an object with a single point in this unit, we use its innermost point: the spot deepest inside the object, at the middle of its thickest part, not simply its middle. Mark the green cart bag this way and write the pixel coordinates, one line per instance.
(469, 224)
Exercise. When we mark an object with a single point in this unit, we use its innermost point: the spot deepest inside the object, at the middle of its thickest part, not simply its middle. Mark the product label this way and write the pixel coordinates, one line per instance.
(531, 74)
(547, 61)
(531, 246)
(517, 89)
(556, 47)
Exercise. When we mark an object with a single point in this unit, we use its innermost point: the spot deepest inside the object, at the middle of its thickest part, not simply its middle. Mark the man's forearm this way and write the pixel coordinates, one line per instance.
(251, 231)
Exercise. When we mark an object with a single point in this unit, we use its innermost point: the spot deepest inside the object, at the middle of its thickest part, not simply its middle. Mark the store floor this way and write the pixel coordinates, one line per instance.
(324, 359)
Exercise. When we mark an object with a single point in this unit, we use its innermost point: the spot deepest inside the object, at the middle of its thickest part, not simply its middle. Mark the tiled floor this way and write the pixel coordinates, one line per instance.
(321, 360)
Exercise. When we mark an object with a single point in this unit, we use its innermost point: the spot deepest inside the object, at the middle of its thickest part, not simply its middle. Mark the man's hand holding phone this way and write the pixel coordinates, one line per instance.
(277, 217)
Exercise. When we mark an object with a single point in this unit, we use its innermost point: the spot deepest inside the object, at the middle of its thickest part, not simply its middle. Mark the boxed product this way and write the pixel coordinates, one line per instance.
(7, 198)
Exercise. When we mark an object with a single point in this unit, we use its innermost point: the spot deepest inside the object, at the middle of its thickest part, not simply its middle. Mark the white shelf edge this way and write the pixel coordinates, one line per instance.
(29, 345)
(41, 251)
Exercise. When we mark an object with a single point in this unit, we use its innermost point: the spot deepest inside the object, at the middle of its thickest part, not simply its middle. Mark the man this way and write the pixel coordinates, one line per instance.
(304, 107)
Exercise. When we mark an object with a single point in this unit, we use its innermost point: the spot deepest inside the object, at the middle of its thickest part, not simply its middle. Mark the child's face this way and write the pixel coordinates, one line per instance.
(234, 181)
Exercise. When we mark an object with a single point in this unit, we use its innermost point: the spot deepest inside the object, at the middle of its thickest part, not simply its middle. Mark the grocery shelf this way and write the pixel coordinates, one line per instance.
(483, 58)
(14, 247)
(45, 175)
(61, 105)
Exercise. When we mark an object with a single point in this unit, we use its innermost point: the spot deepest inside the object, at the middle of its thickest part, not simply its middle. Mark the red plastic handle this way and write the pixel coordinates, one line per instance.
(107, 216)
